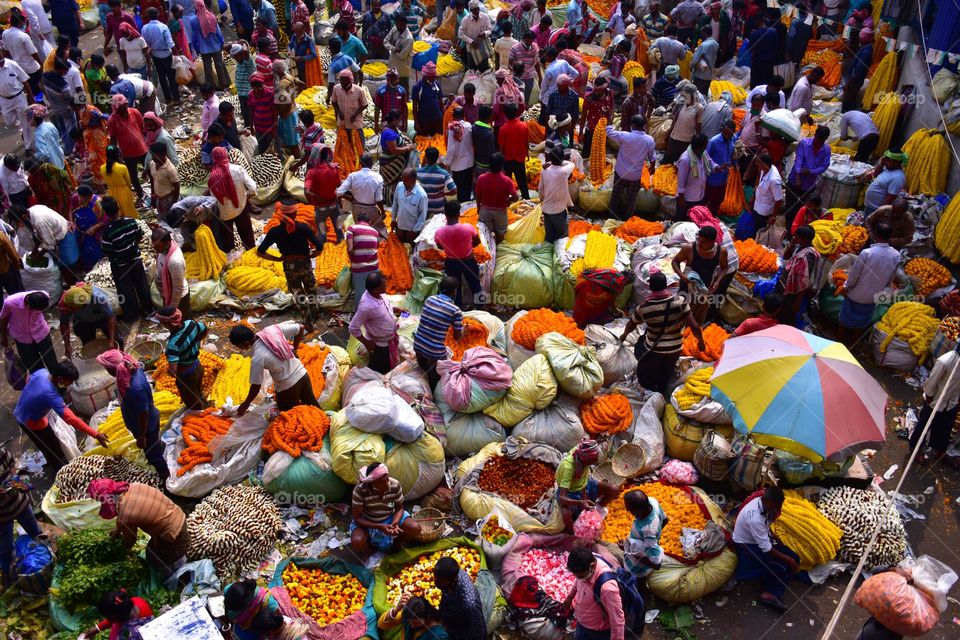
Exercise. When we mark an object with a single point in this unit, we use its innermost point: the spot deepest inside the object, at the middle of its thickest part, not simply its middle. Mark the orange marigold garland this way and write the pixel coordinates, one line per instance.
(713, 337)
(395, 265)
(296, 430)
(683, 511)
(606, 414)
(580, 227)
(754, 257)
(475, 334)
(197, 431)
(313, 356)
(839, 279)
(163, 380)
(636, 227)
(331, 262)
(538, 322)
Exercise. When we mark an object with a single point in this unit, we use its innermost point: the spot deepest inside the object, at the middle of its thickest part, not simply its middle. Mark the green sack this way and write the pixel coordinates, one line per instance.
(493, 602)
(337, 567)
(426, 282)
(308, 477)
(344, 283)
(830, 303)
(525, 276)
(576, 366)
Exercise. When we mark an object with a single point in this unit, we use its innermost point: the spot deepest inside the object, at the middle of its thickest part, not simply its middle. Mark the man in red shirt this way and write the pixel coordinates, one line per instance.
(771, 311)
(494, 193)
(514, 141)
(596, 104)
(125, 127)
(320, 189)
(457, 240)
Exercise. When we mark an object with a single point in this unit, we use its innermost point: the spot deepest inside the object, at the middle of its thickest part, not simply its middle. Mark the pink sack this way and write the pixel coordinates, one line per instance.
(476, 382)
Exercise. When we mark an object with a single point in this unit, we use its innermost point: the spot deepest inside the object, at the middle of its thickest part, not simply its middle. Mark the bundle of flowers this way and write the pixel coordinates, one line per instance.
(754, 257)
(475, 334)
(636, 227)
(538, 322)
(395, 265)
(197, 432)
(416, 578)
(295, 430)
(606, 414)
(713, 337)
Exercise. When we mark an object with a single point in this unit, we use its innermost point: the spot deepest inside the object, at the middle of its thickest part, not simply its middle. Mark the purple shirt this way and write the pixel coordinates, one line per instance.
(636, 149)
(25, 325)
(374, 319)
(807, 158)
(691, 187)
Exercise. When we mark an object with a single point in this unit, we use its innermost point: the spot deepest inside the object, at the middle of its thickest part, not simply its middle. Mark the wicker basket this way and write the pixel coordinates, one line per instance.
(629, 460)
(604, 472)
(147, 352)
(432, 522)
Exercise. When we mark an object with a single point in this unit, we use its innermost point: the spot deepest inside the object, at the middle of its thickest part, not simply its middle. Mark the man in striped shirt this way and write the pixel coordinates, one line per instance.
(183, 355)
(363, 241)
(436, 181)
(120, 242)
(439, 314)
(664, 314)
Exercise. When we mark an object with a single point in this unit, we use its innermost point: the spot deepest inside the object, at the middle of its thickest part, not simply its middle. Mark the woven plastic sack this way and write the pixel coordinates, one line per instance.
(898, 355)
(76, 514)
(380, 410)
(418, 465)
(476, 382)
(528, 229)
(576, 368)
(352, 449)
(426, 282)
(516, 353)
(714, 456)
(558, 425)
(543, 517)
(308, 478)
(533, 388)
(468, 433)
(45, 278)
(616, 358)
(525, 276)
(646, 429)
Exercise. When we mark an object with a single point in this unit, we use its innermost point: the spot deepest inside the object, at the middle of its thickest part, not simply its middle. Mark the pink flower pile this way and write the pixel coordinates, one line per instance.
(679, 472)
(589, 525)
(550, 570)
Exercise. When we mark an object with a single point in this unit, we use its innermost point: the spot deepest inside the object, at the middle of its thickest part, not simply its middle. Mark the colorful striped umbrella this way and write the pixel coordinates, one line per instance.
(800, 393)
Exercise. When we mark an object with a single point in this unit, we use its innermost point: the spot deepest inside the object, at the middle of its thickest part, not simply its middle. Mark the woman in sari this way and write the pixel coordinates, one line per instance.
(252, 610)
(61, 51)
(98, 82)
(395, 148)
(507, 92)
(117, 177)
(51, 185)
(87, 217)
(95, 142)
(181, 44)
(122, 614)
(153, 131)
(419, 619)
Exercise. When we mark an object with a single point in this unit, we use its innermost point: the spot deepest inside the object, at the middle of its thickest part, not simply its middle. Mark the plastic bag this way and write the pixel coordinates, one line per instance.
(382, 411)
(589, 524)
(616, 358)
(679, 472)
(525, 276)
(75, 514)
(897, 604)
(33, 567)
(576, 368)
(479, 380)
(533, 388)
(66, 434)
(646, 429)
(558, 425)
(467, 433)
(15, 370)
(418, 465)
(183, 70)
(944, 84)
(494, 552)
(235, 454)
(69, 248)
(497, 337)
(932, 577)
(528, 229)
(426, 282)
(45, 278)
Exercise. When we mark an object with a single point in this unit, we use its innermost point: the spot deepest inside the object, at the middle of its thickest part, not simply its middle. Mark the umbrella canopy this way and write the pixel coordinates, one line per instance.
(801, 393)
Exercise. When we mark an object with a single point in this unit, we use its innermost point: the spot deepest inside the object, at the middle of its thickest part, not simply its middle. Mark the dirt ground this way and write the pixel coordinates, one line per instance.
(736, 614)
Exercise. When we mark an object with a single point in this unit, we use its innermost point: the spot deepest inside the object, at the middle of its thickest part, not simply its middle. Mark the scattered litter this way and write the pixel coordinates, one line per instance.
(31, 462)
(254, 320)
(651, 615)
(789, 624)
(928, 491)
(889, 472)
(810, 620)
(722, 601)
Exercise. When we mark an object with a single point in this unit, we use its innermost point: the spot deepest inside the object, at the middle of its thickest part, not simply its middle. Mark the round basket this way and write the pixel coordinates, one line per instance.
(629, 460)
(431, 523)
(604, 472)
(147, 352)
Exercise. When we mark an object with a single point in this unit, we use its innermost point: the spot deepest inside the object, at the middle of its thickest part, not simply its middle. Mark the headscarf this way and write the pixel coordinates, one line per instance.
(702, 217)
(280, 67)
(121, 365)
(107, 492)
(208, 22)
(166, 282)
(508, 87)
(274, 340)
(588, 449)
(457, 128)
(429, 70)
(610, 279)
(36, 111)
(903, 157)
(77, 296)
(151, 136)
(220, 181)
(118, 100)
(258, 77)
(563, 80)
(671, 72)
(366, 475)
(245, 616)
(287, 214)
(127, 30)
(866, 35)
(175, 318)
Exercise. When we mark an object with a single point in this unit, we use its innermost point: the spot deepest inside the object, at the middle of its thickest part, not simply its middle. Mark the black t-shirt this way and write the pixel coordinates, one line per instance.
(296, 243)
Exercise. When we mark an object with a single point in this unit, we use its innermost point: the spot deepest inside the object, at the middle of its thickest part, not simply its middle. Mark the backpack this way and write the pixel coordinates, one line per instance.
(630, 597)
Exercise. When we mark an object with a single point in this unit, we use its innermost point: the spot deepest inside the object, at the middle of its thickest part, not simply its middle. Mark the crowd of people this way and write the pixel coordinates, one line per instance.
(97, 156)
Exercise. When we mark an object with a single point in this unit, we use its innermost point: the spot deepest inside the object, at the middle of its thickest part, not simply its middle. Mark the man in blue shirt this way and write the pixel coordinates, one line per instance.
(266, 12)
(720, 150)
(160, 41)
(121, 86)
(140, 415)
(427, 101)
(350, 45)
(857, 72)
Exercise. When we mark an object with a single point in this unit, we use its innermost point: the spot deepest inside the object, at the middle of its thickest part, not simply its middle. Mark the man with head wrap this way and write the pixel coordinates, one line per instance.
(597, 104)
(183, 355)
(665, 88)
(687, 119)
(349, 102)
(84, 309)
(563, 104)
(379, 519)
(207, 41)
(576, 489)
(888, 180)
(427, 100)
(475, 32)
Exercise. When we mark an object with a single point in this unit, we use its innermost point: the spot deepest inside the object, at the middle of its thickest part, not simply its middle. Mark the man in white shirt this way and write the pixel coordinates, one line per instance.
(555, 68)
(364, 189)
(775, 86)
(46, 225)
(864, 130)
(768, 196)
(757, 554)
(671, 49)
(291, 382)
(145, 91)
(409, 207)
(19, 46)
(171, 275)
(40, 27)
(459, 158)
(555, 194)
(870, 274)
(802, 95)
(232, 213)
(15, 91)
(936, 385)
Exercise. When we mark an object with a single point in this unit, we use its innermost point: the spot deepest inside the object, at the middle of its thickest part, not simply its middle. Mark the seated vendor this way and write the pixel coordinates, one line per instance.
(252, 610)
(140, 506)
(595, 295)
(772, 304)
(419, 618)
(123, 615)
(576, 490)
(642, 551)
(758, 556)
(85, 308)
(379, 519)
(216, 137)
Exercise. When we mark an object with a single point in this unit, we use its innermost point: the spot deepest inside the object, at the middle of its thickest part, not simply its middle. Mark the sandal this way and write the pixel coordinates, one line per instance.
(773, 602)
